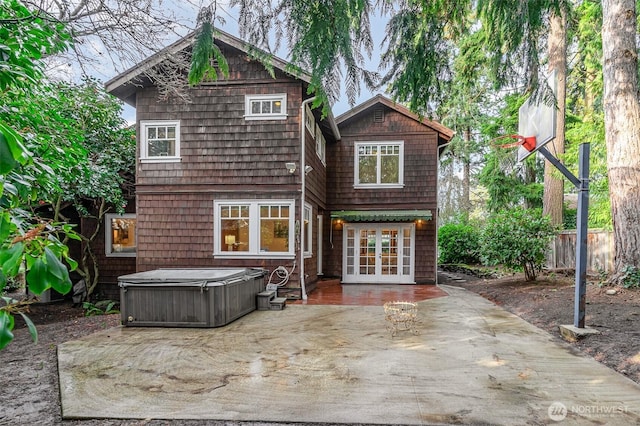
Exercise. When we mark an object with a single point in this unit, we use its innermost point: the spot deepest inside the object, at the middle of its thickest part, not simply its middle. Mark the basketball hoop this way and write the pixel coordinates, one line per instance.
(508, 153)
(528, 143)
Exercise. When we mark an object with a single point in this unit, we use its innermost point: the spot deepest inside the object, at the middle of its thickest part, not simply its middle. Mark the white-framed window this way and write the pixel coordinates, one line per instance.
(263, 228)
(321, 145)
(379, 164)
(266, 107)
(159, 140)
(307, 231)
(120, 235)
(310, 121)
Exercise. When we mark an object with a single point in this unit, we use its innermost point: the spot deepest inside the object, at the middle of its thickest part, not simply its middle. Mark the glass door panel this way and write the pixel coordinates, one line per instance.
(378, 253)
(389, 251)
(368, 248)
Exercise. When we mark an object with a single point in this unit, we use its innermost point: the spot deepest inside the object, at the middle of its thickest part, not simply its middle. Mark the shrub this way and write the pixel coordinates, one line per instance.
(630, 277)
(518, 239)
(458, 243)
(102, 307)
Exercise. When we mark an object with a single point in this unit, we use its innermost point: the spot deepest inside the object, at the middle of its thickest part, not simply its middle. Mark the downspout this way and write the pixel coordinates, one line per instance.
(303, 175)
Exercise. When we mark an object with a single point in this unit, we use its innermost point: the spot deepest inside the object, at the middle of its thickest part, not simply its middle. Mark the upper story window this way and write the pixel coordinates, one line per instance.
(254, 228)
(120, 235)
(310, 121)
(379, 164)
(160, 140)
(321, 145)
(266, 107)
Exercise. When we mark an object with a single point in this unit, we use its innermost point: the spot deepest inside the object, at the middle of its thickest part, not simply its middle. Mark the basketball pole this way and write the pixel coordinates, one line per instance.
(582, 184)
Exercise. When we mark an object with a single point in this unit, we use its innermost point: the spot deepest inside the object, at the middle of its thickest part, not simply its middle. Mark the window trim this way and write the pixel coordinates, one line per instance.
(254, 229)
(108, 239)
(356, 166)
(310, 121)
(308, 249)
(144, 154)
(321, 146)
(248, 115)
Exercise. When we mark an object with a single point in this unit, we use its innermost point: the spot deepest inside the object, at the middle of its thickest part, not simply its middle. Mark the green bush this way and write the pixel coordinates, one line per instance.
(631, 277)
(518, 239)
(14, 284)
(569, 218)
(102, 307)
(458, 243)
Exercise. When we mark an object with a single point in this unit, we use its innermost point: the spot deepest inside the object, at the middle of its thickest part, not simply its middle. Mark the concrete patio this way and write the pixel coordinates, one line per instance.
(471, 363)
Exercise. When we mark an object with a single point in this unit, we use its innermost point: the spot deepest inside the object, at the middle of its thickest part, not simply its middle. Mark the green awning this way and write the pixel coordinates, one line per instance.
(382, 215)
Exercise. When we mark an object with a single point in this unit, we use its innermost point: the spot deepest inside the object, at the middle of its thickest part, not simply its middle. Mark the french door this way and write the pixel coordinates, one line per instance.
(378, 253)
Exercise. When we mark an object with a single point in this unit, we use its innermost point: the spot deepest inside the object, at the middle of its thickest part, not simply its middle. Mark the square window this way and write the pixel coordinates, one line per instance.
(160, 141)
(120, 235)
(379, 164)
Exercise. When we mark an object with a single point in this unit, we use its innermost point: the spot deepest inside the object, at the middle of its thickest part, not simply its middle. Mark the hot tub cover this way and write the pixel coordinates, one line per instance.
(190, 276)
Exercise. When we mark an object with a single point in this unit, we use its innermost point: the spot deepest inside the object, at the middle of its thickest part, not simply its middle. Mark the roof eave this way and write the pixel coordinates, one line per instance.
(124, 85)
(444, 132)
(334, 126)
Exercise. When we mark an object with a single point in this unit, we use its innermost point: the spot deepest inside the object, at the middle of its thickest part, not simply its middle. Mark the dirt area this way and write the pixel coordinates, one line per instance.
(30, 390)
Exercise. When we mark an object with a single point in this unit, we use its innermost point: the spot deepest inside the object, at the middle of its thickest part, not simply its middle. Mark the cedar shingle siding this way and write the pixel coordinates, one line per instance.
(224, 156)
(420, 180)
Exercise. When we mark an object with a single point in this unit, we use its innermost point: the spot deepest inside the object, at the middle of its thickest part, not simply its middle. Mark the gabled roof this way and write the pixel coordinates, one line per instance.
(124, 86)
(444, 132)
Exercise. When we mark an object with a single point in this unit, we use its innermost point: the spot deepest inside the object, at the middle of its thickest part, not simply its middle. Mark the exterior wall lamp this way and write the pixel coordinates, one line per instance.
(308, 169)
(291, 167)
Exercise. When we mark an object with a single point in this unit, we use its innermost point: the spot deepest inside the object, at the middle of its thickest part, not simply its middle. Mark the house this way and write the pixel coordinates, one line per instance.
(383, 201)
(246, 174)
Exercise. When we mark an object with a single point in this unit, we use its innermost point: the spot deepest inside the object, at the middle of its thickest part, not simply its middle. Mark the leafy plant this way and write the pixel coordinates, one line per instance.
(8, 310)
(518, 239)
(458, 243)
(101, 307)
(630, 277)
(94, 159)
(603, 277)
(14, 284)
(27, 240)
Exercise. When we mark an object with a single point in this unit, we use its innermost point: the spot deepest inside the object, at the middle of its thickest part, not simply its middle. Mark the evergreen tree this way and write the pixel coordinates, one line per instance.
(422, 40)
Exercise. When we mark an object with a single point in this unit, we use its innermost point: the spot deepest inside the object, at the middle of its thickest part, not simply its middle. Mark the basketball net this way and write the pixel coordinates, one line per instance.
(507, 153)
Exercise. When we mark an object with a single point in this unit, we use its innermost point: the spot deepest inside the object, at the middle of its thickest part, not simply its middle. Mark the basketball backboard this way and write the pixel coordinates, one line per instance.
(538, 119)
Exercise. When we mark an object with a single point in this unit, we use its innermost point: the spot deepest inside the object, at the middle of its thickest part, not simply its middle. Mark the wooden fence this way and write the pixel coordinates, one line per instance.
(600, 251)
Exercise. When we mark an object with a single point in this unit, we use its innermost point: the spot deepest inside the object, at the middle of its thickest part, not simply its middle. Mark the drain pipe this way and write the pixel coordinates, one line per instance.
(303, 175)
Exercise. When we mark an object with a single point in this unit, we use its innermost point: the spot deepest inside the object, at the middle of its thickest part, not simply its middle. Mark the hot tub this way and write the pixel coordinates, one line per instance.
(189, 297)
